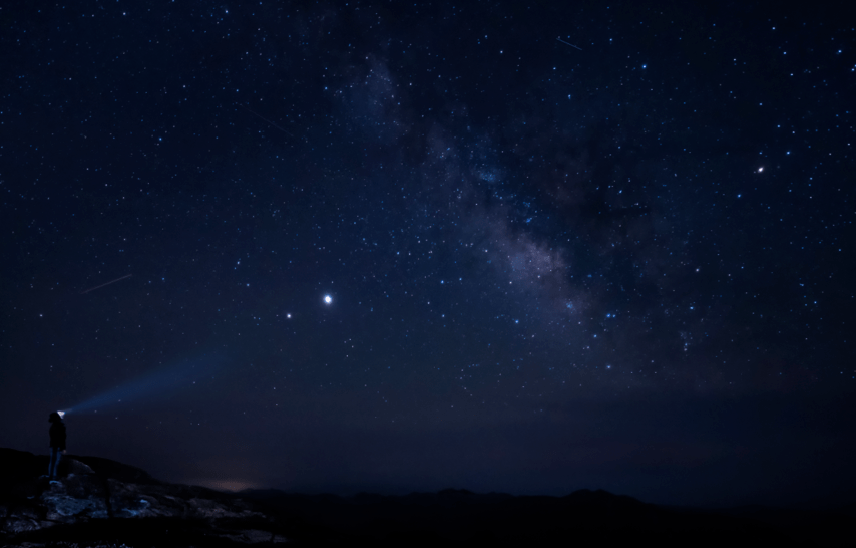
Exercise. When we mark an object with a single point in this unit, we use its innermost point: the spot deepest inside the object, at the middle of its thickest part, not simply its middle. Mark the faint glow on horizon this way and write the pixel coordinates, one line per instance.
(228, 485)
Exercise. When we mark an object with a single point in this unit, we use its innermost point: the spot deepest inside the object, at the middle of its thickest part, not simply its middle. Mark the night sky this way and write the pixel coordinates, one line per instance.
(528, 247)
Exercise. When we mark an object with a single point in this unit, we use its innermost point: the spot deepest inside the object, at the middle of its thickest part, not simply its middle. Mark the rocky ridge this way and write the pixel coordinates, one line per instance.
(100, 503)
(30, 505)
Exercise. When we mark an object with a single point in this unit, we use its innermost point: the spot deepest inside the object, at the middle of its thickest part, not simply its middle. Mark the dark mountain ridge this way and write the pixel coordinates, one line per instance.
(100, 502)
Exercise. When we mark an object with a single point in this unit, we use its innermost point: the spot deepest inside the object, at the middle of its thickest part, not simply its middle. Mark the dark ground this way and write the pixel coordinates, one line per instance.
(449, 517)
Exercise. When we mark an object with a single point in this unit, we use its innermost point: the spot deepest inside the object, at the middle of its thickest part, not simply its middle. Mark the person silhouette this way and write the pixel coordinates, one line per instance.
(57, 433)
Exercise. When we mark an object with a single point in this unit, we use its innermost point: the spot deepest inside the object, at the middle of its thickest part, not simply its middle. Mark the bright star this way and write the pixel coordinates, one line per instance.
(328, 299)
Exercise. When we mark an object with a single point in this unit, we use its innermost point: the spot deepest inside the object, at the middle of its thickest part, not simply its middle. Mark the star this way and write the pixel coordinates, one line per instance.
(328, 299)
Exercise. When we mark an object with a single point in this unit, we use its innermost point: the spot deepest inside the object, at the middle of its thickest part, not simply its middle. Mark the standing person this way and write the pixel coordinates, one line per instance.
(57, 444)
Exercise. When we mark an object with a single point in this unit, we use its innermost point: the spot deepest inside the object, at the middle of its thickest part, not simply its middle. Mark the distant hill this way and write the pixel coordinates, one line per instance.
(105, 503)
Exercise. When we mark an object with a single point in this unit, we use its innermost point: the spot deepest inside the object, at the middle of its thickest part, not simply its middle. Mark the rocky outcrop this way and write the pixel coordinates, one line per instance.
(32, 507)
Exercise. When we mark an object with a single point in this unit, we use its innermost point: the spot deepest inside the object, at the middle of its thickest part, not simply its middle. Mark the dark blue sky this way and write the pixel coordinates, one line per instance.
(565, 245)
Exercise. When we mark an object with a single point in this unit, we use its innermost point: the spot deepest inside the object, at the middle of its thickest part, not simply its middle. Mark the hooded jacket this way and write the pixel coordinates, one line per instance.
(57, 432)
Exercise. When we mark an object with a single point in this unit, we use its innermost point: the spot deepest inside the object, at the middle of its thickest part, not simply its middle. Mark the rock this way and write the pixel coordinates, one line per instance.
(127, 501)
(72, 498)
(64, 508)
(77, 468)
(116, 470)
(83, 486)
(17, 524)
(90, 498)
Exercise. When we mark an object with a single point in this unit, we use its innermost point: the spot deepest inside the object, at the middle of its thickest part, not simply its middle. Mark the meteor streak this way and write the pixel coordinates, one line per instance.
(108, 283)
(265, 119)
(568, 43)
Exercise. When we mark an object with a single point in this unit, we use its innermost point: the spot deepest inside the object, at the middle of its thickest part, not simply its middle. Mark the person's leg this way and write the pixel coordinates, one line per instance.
(56, 465)
(52, 465)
